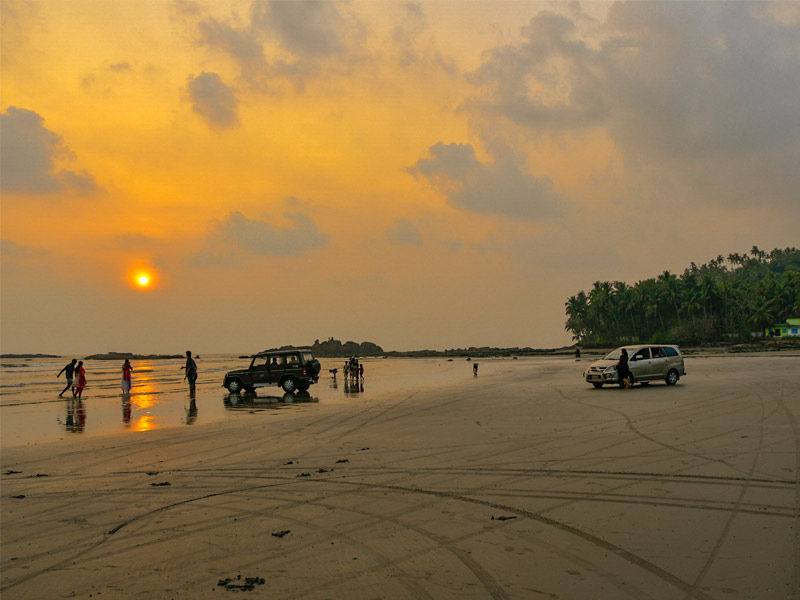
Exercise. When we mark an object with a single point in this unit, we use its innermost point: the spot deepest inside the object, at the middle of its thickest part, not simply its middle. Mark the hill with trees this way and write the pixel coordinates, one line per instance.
(724, 300)
(332, 347)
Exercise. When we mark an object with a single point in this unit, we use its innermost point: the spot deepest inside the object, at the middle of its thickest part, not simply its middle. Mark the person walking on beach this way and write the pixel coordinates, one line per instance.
(126, 376)
(475, 369)
(623, 372)
(190, 371)
(81, 377)
(361, 371)
(69, 371)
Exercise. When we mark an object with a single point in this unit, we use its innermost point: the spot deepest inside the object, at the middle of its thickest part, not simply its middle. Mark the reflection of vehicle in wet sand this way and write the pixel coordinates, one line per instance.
(252, 401)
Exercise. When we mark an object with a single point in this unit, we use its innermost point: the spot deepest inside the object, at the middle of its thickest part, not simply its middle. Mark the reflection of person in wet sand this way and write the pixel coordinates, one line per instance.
(127, 369)
(126, 410)
(191, 411)
(68, 371)
(76, 416)
(190, 371)
(81, 380)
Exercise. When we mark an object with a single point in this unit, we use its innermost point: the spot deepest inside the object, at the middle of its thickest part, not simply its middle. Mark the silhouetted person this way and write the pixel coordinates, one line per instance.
(190, 371)
(127, 369)
(623, 372)
(69, 371)
(80, 377)
(475, 369)
(361, 372)
(577, 353)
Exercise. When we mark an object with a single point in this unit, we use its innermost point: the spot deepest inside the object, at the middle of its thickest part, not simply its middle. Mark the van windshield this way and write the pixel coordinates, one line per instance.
(614, 354)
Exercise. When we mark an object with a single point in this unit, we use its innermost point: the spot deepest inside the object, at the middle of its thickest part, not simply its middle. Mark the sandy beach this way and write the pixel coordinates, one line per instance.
(523, 482)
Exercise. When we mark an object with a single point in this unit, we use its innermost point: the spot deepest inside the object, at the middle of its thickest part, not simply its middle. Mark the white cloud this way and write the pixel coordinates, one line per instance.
(29, 153)
(239, 235)
(213, 100)
(405, 232)
(503, 187)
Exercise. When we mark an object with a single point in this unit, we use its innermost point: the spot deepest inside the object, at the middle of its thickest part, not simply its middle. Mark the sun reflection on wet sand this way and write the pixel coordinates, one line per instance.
(143, 398)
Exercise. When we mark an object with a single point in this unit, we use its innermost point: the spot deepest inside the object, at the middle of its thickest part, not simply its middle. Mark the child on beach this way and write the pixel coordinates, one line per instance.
(126, 376)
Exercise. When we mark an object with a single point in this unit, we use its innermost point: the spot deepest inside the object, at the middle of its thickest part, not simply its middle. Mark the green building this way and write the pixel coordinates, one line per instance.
(790, 328)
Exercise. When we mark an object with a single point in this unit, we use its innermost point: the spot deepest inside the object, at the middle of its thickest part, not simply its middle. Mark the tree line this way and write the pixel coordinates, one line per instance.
(727, 299)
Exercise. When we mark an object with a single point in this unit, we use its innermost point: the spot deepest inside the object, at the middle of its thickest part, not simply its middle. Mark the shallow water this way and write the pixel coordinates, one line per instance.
(32, 412)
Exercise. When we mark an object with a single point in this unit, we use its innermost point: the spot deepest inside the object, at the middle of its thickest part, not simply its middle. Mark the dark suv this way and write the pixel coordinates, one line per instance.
(293, 369)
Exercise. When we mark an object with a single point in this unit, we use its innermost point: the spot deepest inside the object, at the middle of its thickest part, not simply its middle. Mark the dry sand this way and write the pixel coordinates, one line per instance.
(525, 484)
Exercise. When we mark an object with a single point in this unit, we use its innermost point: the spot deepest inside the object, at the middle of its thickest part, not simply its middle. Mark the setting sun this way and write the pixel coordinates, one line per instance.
(143, 280)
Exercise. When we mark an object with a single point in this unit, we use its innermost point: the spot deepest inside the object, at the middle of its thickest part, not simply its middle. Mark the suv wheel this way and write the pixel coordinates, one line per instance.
(302, 387)
(288, 385)
(672, 377)
(234, 386)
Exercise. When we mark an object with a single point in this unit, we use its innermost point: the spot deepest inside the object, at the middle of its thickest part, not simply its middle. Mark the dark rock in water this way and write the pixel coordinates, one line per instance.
(163, 483)
(281, 533)
(153, 472)
(342, 460)
(503, 518)
(19, 497)
(304, 474)
(362, 449)
(41, 475)
(289, 462)
(29, 356)
(321, 470)
(11, 472)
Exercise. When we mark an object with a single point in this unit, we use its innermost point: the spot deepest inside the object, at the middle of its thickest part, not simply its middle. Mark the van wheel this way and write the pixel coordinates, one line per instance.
(672, 377)
(597, 385)
(234, 386)
(288, 385)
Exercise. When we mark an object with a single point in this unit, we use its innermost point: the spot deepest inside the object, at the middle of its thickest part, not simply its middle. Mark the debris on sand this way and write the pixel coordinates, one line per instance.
(304, 474)
(321, 470)
(342, 460)
(19, 497)
(232, 585)
(151, 473)
(503, 518)
(11, 472)
(161, 484)
(281, 533)
(362, 449)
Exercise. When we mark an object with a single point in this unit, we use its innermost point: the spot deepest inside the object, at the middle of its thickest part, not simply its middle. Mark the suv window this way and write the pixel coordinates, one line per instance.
(669, 351)
(307, 357)
(259, 362)
(276, 361)
(292, 360)
(642, 354)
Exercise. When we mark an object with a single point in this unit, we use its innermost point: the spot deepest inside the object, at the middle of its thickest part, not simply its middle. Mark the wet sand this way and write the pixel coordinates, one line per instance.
(521, 483)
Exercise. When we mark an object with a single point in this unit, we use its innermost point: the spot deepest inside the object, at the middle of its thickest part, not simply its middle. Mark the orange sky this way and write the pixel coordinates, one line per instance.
(434, 174)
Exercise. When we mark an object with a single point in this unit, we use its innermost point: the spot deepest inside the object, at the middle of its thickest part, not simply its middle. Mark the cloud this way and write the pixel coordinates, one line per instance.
(502, 187)
(404, 232)
(705, 91)
(11, 249)
(306, 28)
(28, 155)
(252, 236)
(213, 100)
(303, 38)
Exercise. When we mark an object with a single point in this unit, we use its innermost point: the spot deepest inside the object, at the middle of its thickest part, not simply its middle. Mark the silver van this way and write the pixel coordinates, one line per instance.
(647, 362)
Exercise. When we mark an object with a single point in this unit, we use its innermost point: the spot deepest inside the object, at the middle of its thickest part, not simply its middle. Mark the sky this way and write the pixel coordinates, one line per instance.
(417, 174)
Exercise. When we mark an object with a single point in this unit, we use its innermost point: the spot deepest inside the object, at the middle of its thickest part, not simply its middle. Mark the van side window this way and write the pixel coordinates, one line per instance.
(642, 354)
(669, 351)
(656, 352)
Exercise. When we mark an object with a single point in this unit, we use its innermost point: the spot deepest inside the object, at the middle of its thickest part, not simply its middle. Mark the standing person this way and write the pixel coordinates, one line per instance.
(190, 371)
(81, 377)
(361, 371)
(623, 372)
(126, 376)
(69, 371)
(475, 369)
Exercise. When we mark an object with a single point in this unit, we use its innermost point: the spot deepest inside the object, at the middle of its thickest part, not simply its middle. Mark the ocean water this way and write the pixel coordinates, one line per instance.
(31, 411)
